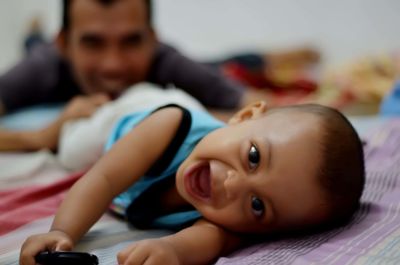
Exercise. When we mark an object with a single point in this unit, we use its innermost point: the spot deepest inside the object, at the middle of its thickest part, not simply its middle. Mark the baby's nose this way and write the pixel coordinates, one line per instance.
(234, 184)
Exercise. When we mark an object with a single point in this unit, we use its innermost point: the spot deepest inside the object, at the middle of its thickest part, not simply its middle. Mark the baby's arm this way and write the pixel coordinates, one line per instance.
(201, 243)
(119, 168)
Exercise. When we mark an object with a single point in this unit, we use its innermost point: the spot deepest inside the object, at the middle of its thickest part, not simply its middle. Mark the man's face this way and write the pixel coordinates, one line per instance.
(110, 47)
(258, 175)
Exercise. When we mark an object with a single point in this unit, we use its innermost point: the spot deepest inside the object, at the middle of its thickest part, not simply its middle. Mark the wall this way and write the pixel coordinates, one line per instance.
(14, 20)
(342, 29)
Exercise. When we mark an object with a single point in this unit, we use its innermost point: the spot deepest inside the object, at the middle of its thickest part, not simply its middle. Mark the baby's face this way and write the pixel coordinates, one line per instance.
(258, 175)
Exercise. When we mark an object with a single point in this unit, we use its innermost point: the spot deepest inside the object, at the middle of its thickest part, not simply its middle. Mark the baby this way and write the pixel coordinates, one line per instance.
(268, 171)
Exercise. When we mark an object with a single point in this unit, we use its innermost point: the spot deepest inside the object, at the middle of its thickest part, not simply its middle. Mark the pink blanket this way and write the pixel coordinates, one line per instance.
(22, 205)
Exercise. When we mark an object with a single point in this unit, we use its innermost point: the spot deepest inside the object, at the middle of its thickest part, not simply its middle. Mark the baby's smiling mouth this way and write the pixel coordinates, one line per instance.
(198, 181)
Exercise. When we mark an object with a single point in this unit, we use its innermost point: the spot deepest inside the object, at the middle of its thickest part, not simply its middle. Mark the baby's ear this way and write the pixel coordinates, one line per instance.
(252, 111)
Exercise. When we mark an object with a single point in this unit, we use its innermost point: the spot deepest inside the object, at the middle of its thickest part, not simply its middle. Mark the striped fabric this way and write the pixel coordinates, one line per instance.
(372, 237)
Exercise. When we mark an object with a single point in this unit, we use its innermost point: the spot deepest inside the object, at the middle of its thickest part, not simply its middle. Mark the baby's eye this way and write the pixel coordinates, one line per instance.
(257, 206)
(254, 157)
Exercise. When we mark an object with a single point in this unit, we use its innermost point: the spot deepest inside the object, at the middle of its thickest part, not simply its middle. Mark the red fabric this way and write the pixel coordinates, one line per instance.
(24, 205)
(257, 79)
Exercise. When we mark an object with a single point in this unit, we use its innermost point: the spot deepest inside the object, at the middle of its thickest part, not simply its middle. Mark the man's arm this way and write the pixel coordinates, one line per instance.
(2, 109)
(79, 107)
(222, 96)
(201, 243)
(34, 80)
(12, 141)
(206, 84)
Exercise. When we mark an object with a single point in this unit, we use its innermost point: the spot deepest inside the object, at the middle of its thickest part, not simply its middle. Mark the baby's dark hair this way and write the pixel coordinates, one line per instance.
(66, 11)
(341, 172)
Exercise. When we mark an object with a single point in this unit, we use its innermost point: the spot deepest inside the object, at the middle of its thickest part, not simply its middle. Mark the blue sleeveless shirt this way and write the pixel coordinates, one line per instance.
(137, 204)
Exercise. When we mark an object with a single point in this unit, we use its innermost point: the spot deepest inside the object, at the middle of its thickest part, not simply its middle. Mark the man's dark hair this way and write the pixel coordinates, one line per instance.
(341, 171)
(66, 18)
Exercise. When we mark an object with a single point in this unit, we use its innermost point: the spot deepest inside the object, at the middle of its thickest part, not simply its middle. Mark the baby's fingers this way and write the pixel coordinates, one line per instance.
(148, 252)
(50, 241)
(27, 255)
(132, 256)
(31, 247)
(63, 245)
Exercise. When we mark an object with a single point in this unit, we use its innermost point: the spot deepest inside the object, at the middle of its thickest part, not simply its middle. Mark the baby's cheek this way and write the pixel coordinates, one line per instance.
(224, 219)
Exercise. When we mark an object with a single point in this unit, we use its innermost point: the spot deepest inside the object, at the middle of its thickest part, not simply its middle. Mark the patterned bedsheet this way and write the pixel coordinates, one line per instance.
(28, 202)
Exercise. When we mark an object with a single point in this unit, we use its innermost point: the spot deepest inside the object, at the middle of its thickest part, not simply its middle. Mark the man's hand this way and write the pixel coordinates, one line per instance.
(149, 252)
(78, 107)
(83, 106)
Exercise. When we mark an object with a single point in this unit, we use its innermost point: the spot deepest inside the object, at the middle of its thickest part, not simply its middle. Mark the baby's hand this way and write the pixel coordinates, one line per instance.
(149, 252)
(52, 241)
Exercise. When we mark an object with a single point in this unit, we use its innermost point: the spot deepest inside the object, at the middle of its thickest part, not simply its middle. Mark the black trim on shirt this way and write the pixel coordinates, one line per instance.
(147, 206)
(166, 158)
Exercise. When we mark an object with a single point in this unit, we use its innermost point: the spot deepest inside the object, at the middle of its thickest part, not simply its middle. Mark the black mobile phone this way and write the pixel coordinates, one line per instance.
(66, 258)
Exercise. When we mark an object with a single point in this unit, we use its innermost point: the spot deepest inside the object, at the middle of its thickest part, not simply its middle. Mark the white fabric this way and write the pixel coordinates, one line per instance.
(81, 142)
(36, 167)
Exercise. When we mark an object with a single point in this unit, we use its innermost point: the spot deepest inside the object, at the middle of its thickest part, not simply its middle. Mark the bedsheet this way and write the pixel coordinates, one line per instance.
(372, 237)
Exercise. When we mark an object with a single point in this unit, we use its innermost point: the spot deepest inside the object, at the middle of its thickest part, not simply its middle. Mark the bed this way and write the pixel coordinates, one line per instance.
(32, 186)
